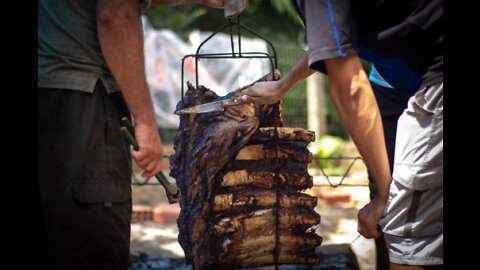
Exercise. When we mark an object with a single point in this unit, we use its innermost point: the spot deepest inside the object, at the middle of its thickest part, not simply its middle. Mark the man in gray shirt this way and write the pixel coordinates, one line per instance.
(91, 73)
(408, 205)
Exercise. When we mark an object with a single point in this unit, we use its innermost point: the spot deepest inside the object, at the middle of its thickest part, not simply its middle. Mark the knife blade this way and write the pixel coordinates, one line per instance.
(214, 106)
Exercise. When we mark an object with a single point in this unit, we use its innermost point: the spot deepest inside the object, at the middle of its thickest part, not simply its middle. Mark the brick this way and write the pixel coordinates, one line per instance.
(336, 198)
(141, 213)
(166, 213)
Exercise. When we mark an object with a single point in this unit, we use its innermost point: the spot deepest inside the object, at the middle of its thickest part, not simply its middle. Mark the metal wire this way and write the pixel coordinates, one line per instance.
(354, 159)
(276, 250)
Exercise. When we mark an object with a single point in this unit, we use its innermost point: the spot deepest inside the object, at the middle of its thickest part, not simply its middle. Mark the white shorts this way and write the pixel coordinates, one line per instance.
(418, 162)
(413, 225)
(413, 218)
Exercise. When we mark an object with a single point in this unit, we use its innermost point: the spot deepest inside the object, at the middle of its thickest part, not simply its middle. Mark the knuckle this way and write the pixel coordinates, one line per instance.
(151, 166)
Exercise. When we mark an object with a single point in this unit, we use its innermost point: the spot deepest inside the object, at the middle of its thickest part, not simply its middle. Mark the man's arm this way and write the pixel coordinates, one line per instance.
(121, 39)
(355, 102)
(353, 97)
(273, 91)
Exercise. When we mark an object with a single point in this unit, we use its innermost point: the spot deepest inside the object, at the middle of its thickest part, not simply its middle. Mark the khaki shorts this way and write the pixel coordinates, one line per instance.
(413, 218)
(418, 162)
(413, 225)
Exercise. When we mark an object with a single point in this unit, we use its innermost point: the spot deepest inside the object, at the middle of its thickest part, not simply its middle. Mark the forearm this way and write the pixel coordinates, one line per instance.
(299, 72)
(271, 92)
(121, 39)
(353, 97)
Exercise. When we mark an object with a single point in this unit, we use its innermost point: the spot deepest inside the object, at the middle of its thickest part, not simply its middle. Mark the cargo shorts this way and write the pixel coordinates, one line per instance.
(413, 217)
(84, 178)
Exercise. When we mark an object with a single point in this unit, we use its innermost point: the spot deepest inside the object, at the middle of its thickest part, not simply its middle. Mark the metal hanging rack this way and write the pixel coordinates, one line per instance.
(232, 25)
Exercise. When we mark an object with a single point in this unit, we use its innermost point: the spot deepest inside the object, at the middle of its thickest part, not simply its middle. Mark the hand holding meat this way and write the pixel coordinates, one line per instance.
(264, 92)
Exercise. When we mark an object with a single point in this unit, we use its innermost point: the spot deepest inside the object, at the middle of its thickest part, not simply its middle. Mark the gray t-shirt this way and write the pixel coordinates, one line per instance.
(330, 33)
(69, 53)
(376, 30)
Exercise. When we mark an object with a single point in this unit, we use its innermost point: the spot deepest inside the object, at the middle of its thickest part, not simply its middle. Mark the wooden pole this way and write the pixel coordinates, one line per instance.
(317, 112)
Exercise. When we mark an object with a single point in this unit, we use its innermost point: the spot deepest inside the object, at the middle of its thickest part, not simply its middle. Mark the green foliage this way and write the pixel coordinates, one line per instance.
(275, 19)
(327, 147)
(285, 7)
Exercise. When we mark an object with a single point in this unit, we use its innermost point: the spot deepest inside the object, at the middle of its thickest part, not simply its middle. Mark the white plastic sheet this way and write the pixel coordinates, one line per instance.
(164, 51)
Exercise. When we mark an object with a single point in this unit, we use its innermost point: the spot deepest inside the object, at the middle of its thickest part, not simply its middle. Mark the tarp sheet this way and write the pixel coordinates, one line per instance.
(164, 51)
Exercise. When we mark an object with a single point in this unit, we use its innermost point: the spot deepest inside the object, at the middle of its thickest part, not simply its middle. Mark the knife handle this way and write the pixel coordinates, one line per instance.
(232, 101)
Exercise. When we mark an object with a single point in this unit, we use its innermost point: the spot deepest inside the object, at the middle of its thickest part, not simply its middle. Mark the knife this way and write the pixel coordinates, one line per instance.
(215, 106)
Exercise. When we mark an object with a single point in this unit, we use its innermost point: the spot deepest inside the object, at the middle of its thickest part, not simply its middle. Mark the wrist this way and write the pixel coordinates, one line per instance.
(382, 196)
(379, 201)
(147, 120)
(148, 123)
(284, 85)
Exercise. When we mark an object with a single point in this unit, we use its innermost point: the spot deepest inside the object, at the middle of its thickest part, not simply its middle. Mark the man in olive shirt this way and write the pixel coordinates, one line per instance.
(90, 74)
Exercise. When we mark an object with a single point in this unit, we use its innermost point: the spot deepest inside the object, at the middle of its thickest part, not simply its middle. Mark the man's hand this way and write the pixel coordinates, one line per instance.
(264, 92)
(368, 218)
(150, 150)
(273, 91)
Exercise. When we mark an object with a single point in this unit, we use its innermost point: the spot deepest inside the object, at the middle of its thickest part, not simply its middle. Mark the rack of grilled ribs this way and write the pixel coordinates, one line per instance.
(240, 181)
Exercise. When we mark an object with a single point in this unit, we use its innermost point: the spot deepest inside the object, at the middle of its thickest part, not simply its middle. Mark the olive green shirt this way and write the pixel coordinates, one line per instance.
(69, 53)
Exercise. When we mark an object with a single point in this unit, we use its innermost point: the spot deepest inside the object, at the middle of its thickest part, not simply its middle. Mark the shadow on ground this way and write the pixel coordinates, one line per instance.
(334, 257)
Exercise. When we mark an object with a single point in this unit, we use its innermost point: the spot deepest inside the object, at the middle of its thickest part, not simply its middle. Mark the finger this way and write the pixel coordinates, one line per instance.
(142, 156)
(146, 160)
(136, 155)
(159, 167)
(251, 99)
(146, 174)
(155, 171)
(376, 234)
(371, 232)
(251, 91)
(363, 230)
(150, 167)
(142, 160)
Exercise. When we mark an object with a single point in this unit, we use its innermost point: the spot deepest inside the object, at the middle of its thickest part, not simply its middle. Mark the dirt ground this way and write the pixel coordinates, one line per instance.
(337, 207)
